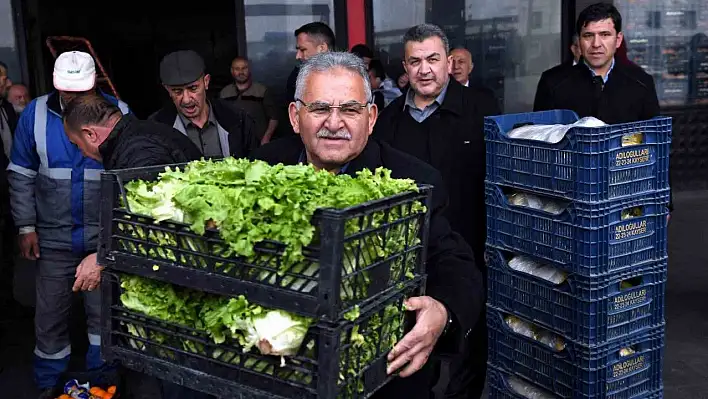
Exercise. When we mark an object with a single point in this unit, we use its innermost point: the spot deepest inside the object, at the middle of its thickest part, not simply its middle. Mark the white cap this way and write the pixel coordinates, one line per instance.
(74, 71)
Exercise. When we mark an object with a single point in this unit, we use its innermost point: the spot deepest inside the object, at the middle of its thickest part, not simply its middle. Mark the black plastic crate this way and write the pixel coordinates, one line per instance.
(578, 371)
(331, 362)
(587, 310)
(376, 245)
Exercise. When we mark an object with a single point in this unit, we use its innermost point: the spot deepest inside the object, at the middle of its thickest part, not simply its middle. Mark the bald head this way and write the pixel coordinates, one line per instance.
(18, 96)
(461, 64)
(88, 121)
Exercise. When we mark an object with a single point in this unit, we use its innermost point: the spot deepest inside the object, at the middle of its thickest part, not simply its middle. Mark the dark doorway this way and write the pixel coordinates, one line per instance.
(131, 37)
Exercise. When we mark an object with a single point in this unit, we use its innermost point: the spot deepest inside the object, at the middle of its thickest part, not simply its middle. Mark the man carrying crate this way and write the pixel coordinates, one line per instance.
(333, 114)
(54, 191)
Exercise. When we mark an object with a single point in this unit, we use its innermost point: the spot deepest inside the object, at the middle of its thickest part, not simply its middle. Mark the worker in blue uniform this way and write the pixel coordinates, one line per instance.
(54, 194)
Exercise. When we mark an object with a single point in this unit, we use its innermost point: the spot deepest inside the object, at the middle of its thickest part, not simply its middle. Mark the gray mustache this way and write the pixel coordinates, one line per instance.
(340, 134)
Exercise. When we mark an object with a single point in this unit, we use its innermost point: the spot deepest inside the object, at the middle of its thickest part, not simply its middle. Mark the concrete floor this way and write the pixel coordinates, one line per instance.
(686, 354)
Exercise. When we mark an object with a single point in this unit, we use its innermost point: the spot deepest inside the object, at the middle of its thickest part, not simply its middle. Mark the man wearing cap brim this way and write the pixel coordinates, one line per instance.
(216, 127)
(54, 190)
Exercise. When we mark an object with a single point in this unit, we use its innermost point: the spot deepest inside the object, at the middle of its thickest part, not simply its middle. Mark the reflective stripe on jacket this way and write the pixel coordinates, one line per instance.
(52, 185)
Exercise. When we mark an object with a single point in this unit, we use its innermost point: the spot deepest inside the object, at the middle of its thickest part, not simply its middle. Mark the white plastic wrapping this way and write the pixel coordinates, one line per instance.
(551, 134)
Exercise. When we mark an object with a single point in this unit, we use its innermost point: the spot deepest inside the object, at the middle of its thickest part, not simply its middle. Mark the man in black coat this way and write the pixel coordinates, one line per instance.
(614, 92)
(334, 117)
(217, 128)
(120, 141)
(442, 123)
(598, 86)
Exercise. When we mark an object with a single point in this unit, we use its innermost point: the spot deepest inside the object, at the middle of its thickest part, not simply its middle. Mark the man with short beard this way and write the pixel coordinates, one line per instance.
(217, 128)
(252, 97)
(441, 122)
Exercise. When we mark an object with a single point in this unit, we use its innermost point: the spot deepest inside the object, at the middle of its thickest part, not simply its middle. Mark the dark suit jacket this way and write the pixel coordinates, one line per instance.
(241, 126)
(453, 277)
(452, 141)
(628, 96)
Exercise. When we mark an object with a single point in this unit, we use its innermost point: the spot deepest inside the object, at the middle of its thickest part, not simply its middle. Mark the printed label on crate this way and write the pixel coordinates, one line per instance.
(630, 229)
(631, 157)
(629, 366)
(629, 299)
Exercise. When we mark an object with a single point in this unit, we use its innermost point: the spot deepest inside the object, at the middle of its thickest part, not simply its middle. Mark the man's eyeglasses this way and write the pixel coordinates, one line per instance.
(351, 108)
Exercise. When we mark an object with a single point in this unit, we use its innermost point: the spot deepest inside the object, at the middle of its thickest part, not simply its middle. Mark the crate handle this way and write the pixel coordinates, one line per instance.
(632, 282)
(632, 212)
(123, 195)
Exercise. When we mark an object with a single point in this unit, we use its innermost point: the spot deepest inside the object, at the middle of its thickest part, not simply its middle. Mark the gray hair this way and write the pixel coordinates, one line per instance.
(422, 32)
(324, 62)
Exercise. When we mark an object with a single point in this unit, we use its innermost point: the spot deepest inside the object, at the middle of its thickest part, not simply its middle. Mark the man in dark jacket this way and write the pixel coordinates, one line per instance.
(442, 123)
(614, 92)
(598, 86)
(217, 128)
(119, 141)
(334, 117)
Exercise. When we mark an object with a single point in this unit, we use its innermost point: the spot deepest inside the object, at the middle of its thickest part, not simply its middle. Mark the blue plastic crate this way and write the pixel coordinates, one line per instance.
(589, 164)
(587, 310)
(586, 238)
(499, 387)
(579, 371)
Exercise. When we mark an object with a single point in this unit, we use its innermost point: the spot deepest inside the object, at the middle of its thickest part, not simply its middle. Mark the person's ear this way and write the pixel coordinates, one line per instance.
(449, 64)
(294, 117)
(620, 37)
(373, 115)
(89, 134)
(207, 79)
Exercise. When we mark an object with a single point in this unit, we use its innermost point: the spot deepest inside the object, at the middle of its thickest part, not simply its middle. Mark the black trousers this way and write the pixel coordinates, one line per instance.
(468, 371)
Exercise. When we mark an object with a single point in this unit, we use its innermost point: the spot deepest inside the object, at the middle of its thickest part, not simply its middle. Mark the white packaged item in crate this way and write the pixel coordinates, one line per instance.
(552, 134)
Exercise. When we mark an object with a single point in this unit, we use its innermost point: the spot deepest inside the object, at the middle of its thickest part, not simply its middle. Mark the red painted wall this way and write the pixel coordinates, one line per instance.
(356, 22)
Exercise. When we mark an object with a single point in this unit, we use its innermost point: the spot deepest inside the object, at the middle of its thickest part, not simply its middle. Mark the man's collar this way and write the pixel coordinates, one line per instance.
(210, 119)
(607, 76)
(106, 148)
(410, 96)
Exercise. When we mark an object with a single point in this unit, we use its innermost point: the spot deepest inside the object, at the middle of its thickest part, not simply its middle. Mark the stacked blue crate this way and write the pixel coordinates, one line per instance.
(597, 332)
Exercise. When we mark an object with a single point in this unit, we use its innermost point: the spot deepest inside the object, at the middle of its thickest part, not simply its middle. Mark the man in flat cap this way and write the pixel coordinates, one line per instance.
(218, 128)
